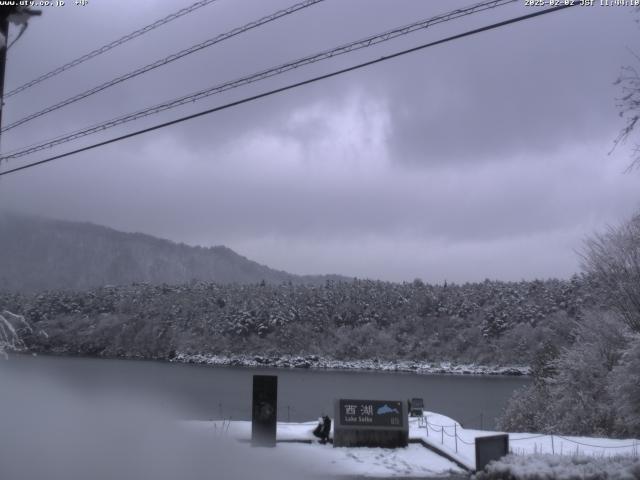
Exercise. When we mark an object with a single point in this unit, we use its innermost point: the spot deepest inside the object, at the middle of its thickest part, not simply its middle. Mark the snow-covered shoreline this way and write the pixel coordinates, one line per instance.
(321, 363)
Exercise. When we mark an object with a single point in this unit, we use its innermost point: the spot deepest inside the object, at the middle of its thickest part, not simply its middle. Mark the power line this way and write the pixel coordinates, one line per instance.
(109, 46)
(292, 86)
(164, 61)
(273, 71)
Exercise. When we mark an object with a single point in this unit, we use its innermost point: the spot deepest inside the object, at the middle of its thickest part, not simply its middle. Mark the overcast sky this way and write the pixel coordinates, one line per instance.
(486, 157)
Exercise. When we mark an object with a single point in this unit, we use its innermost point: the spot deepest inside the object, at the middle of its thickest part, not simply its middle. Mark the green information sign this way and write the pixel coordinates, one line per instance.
(371, 413)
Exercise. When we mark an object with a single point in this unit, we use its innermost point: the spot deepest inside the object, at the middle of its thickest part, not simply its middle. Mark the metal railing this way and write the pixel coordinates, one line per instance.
(452, 431)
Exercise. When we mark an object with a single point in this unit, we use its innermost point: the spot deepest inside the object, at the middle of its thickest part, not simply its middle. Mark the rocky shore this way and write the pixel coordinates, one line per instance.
(316, 362)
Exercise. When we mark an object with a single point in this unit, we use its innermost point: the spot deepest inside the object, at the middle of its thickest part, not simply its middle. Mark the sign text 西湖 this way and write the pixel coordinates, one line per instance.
(373, 413)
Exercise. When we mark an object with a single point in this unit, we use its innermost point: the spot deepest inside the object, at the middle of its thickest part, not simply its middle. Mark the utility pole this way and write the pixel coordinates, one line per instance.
(4, 30)
(5, 13)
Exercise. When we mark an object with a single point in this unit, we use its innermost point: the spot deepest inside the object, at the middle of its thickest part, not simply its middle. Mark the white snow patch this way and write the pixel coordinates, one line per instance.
(437, 430)
(448, 435)
(413, 461)
(538, 467)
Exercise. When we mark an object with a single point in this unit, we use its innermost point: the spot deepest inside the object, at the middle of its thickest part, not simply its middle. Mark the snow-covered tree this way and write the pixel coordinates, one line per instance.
(613, 259)
(624, 383)
(577, 396)
(10, 326)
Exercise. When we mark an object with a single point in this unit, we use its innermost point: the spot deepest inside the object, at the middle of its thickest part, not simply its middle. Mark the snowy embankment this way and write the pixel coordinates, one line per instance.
(441, 433)
(449, 436)
(316, 362)
(545, 467)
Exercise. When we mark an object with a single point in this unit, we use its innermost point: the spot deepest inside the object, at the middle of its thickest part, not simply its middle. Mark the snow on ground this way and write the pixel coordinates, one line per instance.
(439, 431)
(547, 466)
(413, 461)
(448, 435)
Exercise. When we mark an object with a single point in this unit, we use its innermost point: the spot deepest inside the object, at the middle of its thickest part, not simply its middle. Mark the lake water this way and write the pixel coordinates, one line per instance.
(203, 392)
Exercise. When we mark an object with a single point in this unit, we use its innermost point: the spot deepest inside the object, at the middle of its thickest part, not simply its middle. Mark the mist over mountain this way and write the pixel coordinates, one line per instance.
(45, 254)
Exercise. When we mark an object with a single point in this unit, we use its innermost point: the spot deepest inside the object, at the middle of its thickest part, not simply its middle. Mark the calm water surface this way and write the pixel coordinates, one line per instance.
(202, 392)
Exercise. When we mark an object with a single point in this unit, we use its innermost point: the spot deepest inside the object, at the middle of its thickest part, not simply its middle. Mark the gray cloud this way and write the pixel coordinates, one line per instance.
(449, 163)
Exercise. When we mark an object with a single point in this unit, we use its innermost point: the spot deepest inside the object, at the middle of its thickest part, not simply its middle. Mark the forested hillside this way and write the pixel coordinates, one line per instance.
(580, 337)
(39, 254)
(493, 323)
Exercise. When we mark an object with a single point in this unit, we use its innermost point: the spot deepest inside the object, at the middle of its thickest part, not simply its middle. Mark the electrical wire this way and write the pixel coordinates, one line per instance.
(164, 61)
(324, 55)
(292, 86)
(109, 46)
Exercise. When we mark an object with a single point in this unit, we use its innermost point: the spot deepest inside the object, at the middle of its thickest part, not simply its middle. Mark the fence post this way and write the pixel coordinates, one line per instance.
(455, 434)
(426, 422)
(553, 450)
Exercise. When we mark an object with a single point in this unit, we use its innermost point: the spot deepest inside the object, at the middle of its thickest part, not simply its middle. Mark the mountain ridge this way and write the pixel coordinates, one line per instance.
(38, 253)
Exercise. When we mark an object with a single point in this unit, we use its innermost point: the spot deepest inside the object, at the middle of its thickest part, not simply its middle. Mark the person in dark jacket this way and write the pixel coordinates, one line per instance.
(323, 429)
(326, 429)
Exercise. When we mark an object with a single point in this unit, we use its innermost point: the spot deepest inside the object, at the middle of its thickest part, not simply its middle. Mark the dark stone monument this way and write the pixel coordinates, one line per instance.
(370, 423)
(264, 410)
(490, 448)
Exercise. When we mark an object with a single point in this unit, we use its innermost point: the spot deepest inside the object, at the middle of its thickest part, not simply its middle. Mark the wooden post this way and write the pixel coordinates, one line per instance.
(455, 434)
